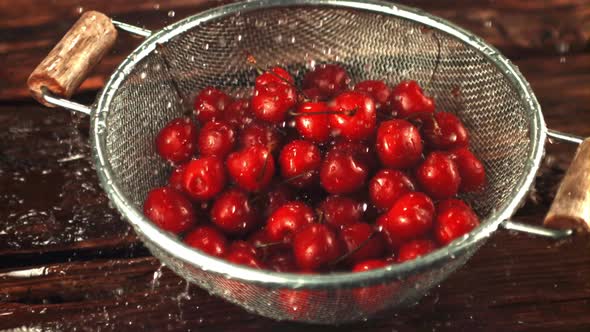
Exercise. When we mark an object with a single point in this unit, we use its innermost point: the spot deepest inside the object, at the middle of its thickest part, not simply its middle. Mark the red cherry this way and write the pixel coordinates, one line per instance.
(342, 173)
(445, 131)
(315, 246)
(312, 121)
(242, 253)
(251, 168)
(287, 220)
(471, 170)
(176, 179)
(216, 139)
(368, 265)
(282, 262)
(355, 117)
(258, 134)
(210, 104)
(414, 249)
(377, 90)
(300, 162)
(207, 239)
(238, 114)
(276, 198)
(204, 178)
(387, 186)
(275, 75)
(177, 141)
(410, 217)
(169, 210)
(338, 211)
(454, 219)
(329, 80)
(439, 176)
(408, 100)
(272, 101)
(399, 144)
(233, 213)
(356, 238)
(295, 303)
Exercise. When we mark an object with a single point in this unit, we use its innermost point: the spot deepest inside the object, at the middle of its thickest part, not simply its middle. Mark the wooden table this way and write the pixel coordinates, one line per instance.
(69, 263)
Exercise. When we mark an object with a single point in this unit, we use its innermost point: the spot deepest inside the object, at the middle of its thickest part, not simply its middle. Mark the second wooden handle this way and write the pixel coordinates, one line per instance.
(571, 206)
(70, 61)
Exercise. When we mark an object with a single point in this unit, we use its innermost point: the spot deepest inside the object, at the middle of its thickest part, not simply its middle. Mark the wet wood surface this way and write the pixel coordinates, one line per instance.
(68, 262)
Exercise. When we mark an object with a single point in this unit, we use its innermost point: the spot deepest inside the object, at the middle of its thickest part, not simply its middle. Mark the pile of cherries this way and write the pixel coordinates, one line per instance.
(318, 178)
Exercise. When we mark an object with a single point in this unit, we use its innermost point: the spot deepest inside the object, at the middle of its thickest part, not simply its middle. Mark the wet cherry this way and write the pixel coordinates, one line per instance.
(342, 173)
(177, 141)
(274, 96)
(233, 213)
(207, 239)
(410, 217)
(439, 176)
(169, 210)
(282, 262)
(408, 100)
(287, 220)
(471, 170)
(204, 178)
(454, 219)
(300, 162)
(210, 104)
(328, 80)
(251, 168)
(315, 246)
(398, 144)
(387, 186)
(354, 116)
(445, 131)
(312, 121)
(216, 139)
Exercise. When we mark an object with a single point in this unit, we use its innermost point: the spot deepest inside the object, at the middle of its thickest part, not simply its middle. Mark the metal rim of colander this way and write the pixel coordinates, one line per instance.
(177, 249)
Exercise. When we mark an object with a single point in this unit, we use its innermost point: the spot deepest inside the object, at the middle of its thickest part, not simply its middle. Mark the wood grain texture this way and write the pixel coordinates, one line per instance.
(76, 54)
(571, 206)
(520, 29)
(69, 263)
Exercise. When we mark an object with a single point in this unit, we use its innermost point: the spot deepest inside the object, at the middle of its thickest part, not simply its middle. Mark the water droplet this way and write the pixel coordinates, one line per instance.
(171, 13)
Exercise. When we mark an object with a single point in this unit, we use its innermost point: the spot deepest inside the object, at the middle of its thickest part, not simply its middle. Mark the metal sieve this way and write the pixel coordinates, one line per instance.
(371, 39)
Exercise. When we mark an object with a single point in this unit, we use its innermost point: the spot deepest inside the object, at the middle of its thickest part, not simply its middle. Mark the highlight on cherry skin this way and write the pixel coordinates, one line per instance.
(333, 175)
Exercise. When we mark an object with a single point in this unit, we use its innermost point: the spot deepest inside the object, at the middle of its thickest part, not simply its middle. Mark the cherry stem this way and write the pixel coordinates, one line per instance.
(348, 113)
(252, 60)
(295, 177)
(320, 217)
(353, 251)
(261, 176)
(269, 244)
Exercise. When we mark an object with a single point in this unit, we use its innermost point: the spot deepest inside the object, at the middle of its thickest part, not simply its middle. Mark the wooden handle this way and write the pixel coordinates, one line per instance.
(70, 61)
(571, 206)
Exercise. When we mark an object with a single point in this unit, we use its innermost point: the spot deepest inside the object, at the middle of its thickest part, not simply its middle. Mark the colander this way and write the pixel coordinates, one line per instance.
(371, 39)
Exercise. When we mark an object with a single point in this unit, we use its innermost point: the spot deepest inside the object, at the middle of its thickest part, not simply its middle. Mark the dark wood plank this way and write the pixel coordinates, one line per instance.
(29, 31)
(515, 283)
